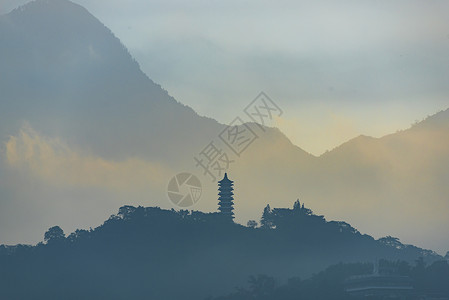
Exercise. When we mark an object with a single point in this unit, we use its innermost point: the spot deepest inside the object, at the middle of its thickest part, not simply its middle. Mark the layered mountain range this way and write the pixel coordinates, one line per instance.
(84, 131)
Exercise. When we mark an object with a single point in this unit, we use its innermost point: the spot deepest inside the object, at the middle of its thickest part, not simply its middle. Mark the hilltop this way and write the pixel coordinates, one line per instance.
(151, 253)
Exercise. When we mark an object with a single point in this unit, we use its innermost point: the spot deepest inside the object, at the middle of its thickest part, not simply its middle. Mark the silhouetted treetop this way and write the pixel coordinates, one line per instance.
(54, 234)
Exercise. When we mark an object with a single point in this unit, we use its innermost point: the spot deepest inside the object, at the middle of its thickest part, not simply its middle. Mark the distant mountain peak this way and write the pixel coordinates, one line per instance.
(59, 5)
(66, 66)
(35, 3)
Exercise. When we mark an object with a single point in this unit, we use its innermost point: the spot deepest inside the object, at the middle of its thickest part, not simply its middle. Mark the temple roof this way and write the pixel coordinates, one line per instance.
(226, 180)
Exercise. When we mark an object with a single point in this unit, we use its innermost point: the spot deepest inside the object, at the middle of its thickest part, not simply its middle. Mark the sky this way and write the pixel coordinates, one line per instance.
(337, 69)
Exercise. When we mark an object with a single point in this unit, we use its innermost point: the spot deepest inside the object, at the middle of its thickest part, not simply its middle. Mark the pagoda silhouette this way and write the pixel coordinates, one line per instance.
(226, 199)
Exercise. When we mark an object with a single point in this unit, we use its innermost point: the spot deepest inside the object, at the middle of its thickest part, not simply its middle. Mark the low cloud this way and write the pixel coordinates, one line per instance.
(55, 162)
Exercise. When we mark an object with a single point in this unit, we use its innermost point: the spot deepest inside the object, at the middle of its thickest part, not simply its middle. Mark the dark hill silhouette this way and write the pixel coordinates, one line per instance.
(426, 281)
(150, 253)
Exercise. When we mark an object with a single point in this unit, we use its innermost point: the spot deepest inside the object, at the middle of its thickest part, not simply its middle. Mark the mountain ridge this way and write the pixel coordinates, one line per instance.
(86, 90)
(80, 69)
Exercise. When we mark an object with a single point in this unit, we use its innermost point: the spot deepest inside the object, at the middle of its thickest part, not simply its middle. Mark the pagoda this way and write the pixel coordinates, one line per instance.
(226, 199)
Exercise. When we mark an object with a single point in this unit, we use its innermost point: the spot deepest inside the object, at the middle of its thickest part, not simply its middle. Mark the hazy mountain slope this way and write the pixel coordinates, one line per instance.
(89, 110)
(394, 180)
(391, 183)
(68, 75)
(93, 109)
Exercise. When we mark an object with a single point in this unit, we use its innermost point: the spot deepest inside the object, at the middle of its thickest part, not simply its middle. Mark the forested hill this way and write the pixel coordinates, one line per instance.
(151, 253)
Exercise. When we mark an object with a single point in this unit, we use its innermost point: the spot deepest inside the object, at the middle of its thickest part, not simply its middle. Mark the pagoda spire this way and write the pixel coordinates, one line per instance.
(226, 199)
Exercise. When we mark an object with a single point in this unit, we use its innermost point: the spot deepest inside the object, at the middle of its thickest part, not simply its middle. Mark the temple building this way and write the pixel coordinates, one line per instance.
(381, 284)
(226, 199)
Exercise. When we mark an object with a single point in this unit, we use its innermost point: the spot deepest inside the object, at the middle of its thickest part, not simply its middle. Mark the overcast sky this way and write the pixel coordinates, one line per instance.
(338, 69)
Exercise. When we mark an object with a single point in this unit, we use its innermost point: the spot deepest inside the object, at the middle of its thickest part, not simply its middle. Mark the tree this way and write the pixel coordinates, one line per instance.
(78, 234)
(251, 224)
(54, 234)
(267, 220)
